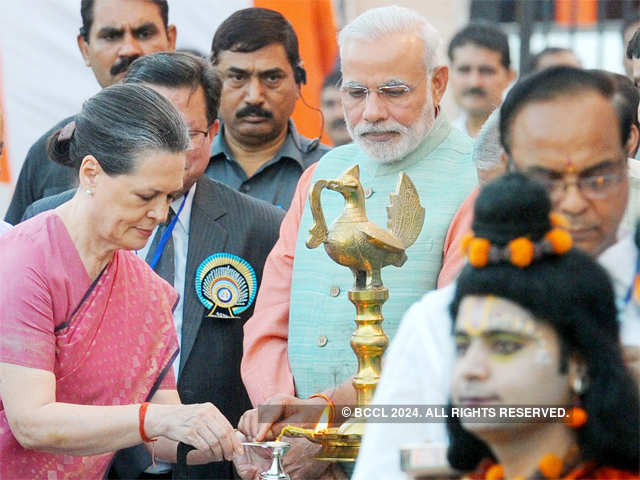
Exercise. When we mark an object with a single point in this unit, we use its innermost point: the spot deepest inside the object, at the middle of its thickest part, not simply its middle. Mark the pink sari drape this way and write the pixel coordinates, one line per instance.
(117, 348)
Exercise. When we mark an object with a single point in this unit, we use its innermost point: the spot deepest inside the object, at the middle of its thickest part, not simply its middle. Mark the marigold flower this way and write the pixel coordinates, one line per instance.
(521, 250)
(560, 240)
(558, 220)
(550, 466)
(466, 240)
(495, 472)
(479, 252)
(576, 417)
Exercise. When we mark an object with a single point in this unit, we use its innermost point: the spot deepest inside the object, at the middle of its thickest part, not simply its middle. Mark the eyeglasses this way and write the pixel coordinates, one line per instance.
(396, 94)
(594, 187)
(197, 138)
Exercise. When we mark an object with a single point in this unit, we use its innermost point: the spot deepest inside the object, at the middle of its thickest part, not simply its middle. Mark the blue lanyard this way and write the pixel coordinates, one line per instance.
(166, 235)
(627, 297)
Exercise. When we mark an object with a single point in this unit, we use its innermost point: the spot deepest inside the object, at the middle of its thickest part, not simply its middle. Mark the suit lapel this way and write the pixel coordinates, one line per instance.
(206, 237)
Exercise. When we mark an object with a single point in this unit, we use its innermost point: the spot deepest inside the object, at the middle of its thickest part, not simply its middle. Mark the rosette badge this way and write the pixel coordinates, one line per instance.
(226, 285)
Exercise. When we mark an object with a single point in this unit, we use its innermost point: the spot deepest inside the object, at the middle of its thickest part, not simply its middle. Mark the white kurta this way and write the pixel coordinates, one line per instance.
(419, 363)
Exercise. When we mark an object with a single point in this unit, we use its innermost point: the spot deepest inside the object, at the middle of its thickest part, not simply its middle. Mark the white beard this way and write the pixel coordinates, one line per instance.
(405, 143)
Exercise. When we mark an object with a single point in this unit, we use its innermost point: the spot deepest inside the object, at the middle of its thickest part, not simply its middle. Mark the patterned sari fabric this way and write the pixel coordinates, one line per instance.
(116, 348)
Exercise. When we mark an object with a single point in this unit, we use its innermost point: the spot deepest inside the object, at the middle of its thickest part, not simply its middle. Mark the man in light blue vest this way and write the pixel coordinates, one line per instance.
(541, 140)
(297, 342)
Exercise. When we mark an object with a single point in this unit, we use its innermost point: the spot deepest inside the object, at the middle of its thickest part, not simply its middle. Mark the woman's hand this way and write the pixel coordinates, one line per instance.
(36, 420)
(200, 425)
(254, 461)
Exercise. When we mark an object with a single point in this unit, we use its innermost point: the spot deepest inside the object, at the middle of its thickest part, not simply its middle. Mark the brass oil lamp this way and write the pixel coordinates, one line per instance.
(365, 248)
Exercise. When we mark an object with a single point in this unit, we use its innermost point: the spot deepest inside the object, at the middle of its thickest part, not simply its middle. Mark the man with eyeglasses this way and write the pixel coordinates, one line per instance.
(214, 231)
(569, 144)
(561, 127)
(296, 343)
(625, 102)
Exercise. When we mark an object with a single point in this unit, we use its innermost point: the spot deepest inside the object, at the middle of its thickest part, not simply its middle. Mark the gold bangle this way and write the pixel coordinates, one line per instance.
(332, 406)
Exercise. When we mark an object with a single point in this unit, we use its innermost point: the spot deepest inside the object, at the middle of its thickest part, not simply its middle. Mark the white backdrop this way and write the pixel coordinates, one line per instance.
(44, 77)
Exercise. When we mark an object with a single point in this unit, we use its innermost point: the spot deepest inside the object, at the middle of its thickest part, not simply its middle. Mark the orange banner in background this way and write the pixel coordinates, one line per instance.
(4, 165)
(576, 12)
(5, 177)
(314, 24)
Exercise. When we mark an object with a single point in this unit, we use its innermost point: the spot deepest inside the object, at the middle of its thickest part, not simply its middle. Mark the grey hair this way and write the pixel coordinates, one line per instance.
(117, 124)
(381, 22)
(487, 148)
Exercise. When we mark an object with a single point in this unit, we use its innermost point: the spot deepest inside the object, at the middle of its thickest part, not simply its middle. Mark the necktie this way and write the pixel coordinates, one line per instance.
(165, 266)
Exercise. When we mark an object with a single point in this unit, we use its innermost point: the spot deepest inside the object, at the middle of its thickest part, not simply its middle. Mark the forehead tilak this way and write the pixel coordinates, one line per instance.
(477, 321)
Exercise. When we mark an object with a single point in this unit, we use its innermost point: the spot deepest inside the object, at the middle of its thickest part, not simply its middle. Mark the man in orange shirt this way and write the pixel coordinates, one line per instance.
(392, 86)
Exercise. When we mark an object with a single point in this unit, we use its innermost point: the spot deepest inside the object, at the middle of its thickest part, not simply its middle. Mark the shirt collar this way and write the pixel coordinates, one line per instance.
(291, 148)
(185, 215)
(461, 123)
(621, 271)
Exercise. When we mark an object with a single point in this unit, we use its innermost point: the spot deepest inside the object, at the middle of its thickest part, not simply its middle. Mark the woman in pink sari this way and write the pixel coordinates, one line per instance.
(86, 331)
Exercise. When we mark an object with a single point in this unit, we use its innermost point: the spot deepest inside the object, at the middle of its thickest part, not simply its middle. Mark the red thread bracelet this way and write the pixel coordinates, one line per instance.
(141, 414)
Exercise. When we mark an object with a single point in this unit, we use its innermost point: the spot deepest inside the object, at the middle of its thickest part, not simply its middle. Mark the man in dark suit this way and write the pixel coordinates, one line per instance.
(219, 243)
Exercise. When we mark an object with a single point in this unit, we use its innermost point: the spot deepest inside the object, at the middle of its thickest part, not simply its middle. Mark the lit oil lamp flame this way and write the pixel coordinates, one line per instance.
(323, 422)
(314, 435)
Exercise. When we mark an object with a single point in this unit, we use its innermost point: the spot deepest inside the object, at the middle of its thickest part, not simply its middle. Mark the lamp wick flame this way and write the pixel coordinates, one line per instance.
(323, 422)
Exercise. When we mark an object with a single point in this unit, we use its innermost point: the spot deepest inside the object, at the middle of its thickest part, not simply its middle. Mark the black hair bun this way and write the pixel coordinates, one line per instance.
(59, 148)
(512, 206)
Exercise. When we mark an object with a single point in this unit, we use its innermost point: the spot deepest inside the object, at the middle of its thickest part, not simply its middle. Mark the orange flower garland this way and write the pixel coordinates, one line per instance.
(521, 252)
(560, 240)
(558, 220)
(550, 466)
(495, 472)
(576, 417)
(466, 240)
(479, 252)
